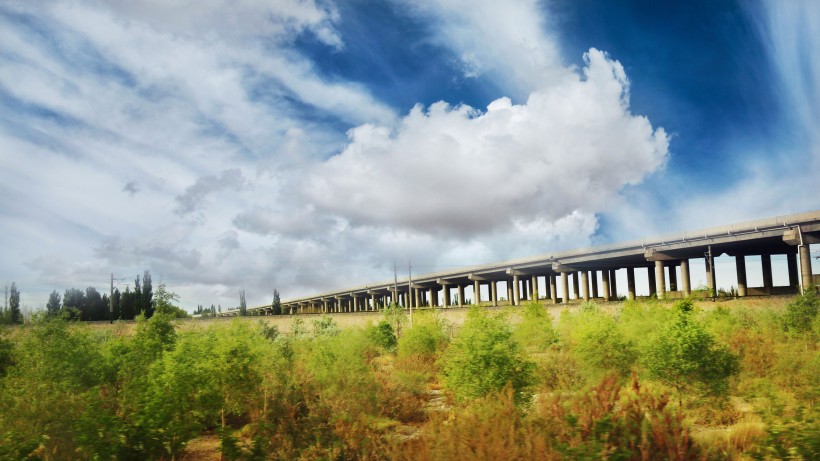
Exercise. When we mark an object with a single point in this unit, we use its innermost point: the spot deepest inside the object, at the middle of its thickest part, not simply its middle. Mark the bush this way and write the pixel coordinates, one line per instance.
(535, 329)
(382, 335)
(801, 312)
(684, 355)
(595, 339)
(484, 357)
(424, 339)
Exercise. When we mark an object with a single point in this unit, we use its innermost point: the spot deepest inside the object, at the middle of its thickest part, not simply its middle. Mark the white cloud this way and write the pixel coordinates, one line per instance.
(571, 147)
(510, 43)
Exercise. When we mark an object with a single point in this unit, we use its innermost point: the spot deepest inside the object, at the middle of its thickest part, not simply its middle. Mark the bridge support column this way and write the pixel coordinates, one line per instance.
(766, 267)
(605, 284)
(516, 291)
(660, 280)
(575, 285)
(585, 285)
(565, 287)
(509, 292)
(494, 292)
(805, 268)
(650, 274)
(630, 283)
(460, 295)
(553, 289)
(525, 290)
(613, 285)
(710, 275)
(740, 266)
(433, 297)
(417, 298)
(686, 280)
(446, 296)
(594, 283)
(673, 277)
(476, 293)
(534, 286)
(791, 262)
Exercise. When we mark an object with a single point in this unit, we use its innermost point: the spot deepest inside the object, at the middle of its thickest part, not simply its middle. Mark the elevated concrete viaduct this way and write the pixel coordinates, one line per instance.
(789, 235)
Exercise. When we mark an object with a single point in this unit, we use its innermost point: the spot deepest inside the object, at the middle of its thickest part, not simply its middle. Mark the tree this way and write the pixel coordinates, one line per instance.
(15, 315)
(54, 303)
(164, 302)
(685, 356)
(484, 358)
(276, 304)
(147, 295)
(243, 308)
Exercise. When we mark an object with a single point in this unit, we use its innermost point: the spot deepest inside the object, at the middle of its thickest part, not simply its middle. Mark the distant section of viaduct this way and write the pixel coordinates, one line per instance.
(791, 235)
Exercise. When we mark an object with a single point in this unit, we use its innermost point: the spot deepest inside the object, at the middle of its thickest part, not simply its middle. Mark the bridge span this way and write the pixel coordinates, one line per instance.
(576, 272)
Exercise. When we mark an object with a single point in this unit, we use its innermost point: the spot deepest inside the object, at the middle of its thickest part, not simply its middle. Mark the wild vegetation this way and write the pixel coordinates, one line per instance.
(645, 380)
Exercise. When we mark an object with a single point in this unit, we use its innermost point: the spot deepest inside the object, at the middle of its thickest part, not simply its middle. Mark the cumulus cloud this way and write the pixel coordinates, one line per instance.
(571, 147)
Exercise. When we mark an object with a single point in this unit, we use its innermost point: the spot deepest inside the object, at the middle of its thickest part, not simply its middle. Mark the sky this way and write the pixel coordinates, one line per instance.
(308, 145)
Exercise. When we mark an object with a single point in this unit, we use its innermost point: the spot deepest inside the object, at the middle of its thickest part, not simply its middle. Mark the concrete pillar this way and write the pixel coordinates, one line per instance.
(650, 273)
(510, 292)
(461, 296)
(585, 285)
(605, 284)
(630, 283)
(516, 290)
(673, 277)
(711, 282)
(525, 289)
(553, 289)
(476, 292)
(766, 266)
(613, 285)
(494, 292)
(446, 296)
(740, 265)
(660, 280)
(565, 287)
(575, 284)
(791, 262)
(686, 281)
(433, 297)
(417, 298)
(593, 281)
(534, 285)
(805, 268)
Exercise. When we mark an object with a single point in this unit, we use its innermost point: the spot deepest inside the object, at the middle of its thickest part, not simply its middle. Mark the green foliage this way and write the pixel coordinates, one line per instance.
(54, 302)
(396, 316)
(596, 340)
(382, 335)
(14, 314)
(325, 326)
(268, 331)
(6, 355)
(424, 339)
(276, 304)
(684, 355)
(484, 357)
(535, 329)
(801, 312)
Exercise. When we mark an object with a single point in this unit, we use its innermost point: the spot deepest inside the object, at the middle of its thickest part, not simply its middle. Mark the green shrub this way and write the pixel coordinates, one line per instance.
(382, 335)
(484, 357)
(535, 330)
(423, 339)
(801, 312)
(595, 339)
(685, 356)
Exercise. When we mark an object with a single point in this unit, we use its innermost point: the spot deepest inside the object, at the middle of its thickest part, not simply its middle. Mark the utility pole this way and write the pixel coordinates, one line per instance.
(395, 285)
(410, 289)
(111, 301)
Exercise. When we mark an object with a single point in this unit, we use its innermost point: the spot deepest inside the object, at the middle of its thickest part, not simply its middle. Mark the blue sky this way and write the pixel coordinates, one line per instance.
(308, 145)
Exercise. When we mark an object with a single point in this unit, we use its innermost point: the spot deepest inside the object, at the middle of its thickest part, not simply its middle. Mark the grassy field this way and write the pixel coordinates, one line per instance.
(733, 379)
